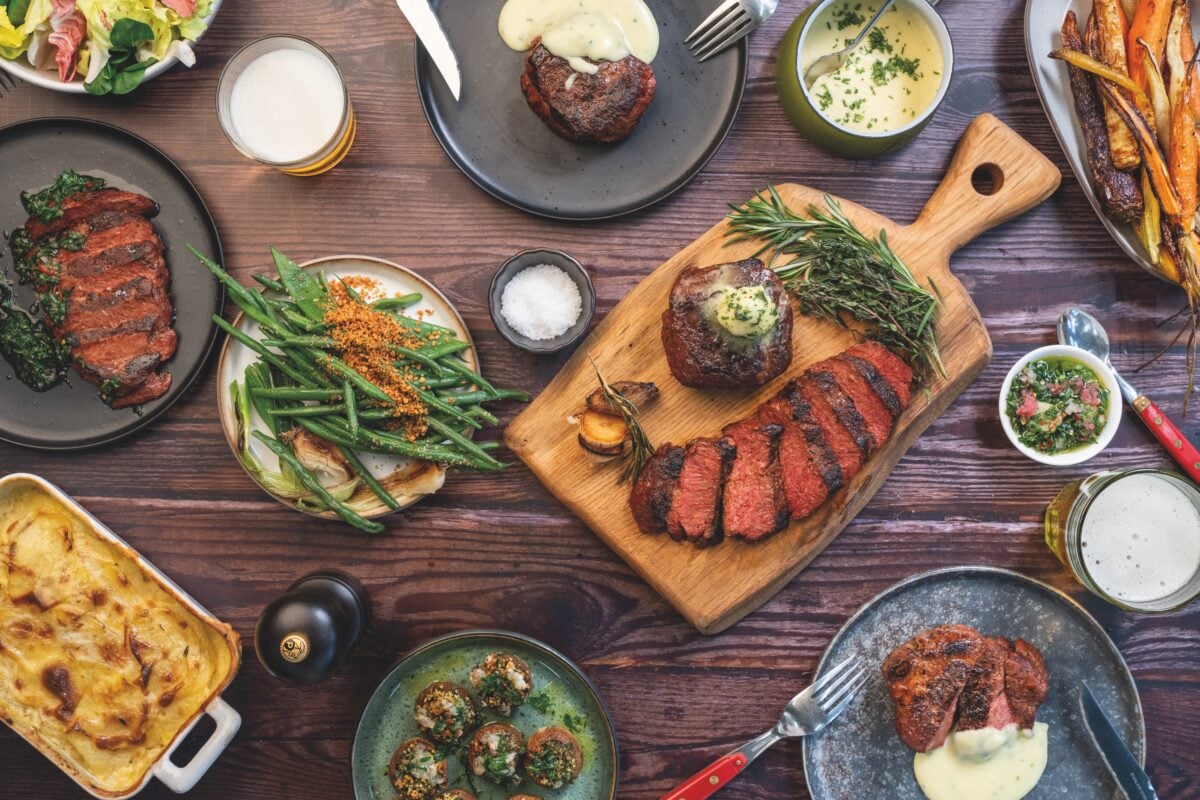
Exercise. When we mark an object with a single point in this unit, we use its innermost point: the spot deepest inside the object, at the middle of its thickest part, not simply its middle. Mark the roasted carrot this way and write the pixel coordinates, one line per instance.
(1129, 7)
(1150, 22)
(1160, 103)
(1109, 28)
(1174, 61)
(1152, 157)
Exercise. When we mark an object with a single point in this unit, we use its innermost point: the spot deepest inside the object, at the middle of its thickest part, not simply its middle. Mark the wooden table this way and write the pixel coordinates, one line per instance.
(499, 551)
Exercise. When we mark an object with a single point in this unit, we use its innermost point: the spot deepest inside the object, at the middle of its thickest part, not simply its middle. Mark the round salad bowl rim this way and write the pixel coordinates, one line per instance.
(610, 727)
(1102, 370)
(45, 79)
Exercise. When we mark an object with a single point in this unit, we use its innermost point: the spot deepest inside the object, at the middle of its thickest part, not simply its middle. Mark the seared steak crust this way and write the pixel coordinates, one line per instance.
(844, 409)
(115, 290)
(952, 675)
(879, 385)
(891, 368)
(654, 488)
(699, 354)
(755, 505)
(601, 108)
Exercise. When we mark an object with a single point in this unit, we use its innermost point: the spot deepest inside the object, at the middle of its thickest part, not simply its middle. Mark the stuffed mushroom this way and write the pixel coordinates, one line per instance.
(553, 759)
(455, 794)
(417, 770)
(503, 682)
(445, 712)
(495, 753)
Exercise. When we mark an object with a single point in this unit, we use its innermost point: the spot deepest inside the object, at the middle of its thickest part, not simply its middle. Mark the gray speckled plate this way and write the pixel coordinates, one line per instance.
(861, 756)
(388, 718)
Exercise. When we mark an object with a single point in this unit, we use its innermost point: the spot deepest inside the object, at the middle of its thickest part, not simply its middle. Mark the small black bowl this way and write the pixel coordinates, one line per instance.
(531, 258)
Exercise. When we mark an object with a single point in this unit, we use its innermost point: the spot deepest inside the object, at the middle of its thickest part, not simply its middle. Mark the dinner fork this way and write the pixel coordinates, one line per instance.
(7, 83)
(807, 714)
(732, 20)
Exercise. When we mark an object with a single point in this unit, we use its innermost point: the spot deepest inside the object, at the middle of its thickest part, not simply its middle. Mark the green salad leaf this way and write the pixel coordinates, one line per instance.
(124, 72)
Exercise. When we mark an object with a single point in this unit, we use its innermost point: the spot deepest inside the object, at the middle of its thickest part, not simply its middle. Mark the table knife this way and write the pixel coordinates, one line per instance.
(429, 30)
(1132, 779)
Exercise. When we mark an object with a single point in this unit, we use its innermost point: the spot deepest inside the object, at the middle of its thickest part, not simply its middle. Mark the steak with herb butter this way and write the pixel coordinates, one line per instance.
(99, 270)
(728, 326)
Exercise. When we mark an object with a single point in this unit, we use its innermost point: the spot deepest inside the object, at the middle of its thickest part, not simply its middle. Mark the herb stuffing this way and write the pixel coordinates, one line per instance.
(1057, 405)
(840, 274)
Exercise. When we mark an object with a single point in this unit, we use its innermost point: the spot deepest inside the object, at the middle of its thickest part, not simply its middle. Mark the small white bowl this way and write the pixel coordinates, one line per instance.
(1102, 371)
(48, 79)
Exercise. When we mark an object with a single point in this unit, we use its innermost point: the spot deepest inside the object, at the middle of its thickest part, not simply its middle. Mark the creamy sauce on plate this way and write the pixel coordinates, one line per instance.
(986, 764)
(1141, 539)
(582, 31)
(889, 81)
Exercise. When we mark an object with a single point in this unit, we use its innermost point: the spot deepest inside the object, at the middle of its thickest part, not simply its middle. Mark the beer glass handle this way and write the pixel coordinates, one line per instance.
(1182, 450)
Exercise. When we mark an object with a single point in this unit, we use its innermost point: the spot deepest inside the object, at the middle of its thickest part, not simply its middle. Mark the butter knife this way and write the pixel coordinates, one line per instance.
(1132, 779)
(429, 30)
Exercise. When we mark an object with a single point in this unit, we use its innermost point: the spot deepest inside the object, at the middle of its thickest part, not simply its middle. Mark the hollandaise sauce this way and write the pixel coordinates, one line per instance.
(987, 764)
(889, 80)
(582, 31)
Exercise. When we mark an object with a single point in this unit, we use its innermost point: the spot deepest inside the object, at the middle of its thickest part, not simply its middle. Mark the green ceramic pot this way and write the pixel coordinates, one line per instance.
(834, 138)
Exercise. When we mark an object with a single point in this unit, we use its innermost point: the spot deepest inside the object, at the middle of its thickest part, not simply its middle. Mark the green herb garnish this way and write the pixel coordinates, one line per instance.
(838, 273)
(46, 205)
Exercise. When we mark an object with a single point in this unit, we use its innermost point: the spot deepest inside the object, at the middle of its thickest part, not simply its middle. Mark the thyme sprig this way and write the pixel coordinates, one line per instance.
(640, 447)
(838, 272)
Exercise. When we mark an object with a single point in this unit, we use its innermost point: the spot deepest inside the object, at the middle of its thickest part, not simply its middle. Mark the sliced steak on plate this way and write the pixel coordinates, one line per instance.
(810, 468)
(755, 505)
(866, 402)
(650, 500)
(695, 514)
(1026, 682)
(891, 367)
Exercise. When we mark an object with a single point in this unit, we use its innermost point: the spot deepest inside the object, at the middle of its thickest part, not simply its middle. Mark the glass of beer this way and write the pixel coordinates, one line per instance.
(1130, 537)
(282, 101)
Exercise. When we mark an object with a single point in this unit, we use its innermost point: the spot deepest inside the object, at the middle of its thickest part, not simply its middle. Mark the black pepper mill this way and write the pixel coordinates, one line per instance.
(304, 636)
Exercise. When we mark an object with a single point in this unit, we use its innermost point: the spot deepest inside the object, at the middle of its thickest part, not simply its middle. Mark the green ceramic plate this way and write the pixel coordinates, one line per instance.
(562, 696)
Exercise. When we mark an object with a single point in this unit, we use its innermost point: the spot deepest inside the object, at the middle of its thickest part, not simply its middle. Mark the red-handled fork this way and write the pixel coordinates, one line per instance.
(808, 713)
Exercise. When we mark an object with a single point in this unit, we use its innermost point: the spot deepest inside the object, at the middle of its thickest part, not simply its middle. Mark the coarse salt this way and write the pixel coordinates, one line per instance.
(541, 302)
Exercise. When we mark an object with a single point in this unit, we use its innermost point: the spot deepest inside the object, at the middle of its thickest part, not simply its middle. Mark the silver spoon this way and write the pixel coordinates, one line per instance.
(1080, 329)
(834, 61)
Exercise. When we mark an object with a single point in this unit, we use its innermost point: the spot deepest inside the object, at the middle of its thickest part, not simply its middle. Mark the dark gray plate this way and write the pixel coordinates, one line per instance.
(71, 415)
(493, 136)
(861, 756)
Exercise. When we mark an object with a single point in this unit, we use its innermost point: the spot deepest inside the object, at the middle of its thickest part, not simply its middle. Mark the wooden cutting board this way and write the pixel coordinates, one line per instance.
(716, 587)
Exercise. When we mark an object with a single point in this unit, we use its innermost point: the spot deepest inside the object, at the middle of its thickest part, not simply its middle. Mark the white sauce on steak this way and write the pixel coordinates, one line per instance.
(986, 764)
(582, 31)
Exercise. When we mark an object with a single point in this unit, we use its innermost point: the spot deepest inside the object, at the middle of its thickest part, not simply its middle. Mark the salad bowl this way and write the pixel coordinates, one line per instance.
(20, 67)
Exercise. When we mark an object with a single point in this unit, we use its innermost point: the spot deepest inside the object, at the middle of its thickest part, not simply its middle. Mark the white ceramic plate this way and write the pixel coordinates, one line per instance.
(1043, 20)
(48, 79)
(394, 279)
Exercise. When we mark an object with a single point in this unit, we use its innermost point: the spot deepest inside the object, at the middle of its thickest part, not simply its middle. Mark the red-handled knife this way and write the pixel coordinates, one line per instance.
(808, 712)
(1080, 329)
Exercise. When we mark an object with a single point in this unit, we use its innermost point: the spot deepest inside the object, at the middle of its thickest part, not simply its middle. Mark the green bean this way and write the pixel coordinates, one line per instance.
(311, 482)
(318, 428)
(447, 348)
(384, 496)
(419, 358)
(351, 406)
(355, 377)
(258, 376)
(270, 283)
(308, 411)
(440, 383)
(248, 341)
(463, 442)
(433, 402)
(462, 369)
(375, 414)
(293, 316)
(387, 303)
(296, 393)
(381, 441)
(421, 325)
(481, 413)
(243, 297)
(319, 342)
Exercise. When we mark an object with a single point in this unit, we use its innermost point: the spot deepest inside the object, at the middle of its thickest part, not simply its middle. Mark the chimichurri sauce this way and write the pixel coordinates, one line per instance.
(1057, 405)
(46, 205)
(38, 361)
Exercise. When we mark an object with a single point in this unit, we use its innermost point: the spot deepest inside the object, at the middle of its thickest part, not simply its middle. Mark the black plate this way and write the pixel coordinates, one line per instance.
(71, 416)
(500, 144)
(860, 755)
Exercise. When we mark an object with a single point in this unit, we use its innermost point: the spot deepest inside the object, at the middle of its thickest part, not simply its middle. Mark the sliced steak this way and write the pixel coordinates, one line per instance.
(983, 703)
(601, 108)
(1026, 682)
(891, 367)
(755, 505)
(695, 513)
(866, 402)
(650, 500)
(822, 392)
(79, 207)
(810, 469)
(883, 390)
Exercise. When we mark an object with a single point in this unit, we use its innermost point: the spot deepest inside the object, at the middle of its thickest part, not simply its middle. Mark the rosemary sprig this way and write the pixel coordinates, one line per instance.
(837, 272)
(641, 448)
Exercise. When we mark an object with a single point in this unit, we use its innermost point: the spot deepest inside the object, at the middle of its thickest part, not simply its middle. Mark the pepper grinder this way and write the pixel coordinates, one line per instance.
(305, 635)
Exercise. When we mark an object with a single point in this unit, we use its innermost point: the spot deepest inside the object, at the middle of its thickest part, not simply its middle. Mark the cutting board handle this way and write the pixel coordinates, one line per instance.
(1012, 175)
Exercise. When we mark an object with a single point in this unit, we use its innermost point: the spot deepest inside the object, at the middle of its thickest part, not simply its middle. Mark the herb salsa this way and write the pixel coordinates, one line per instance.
(1057, 405)
(889, 81)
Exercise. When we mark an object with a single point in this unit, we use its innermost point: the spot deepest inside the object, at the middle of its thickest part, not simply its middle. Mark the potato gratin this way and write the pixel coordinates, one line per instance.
(101, 665)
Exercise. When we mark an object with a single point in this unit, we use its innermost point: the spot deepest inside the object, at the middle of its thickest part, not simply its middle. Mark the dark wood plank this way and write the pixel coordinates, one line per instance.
(679, 699)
